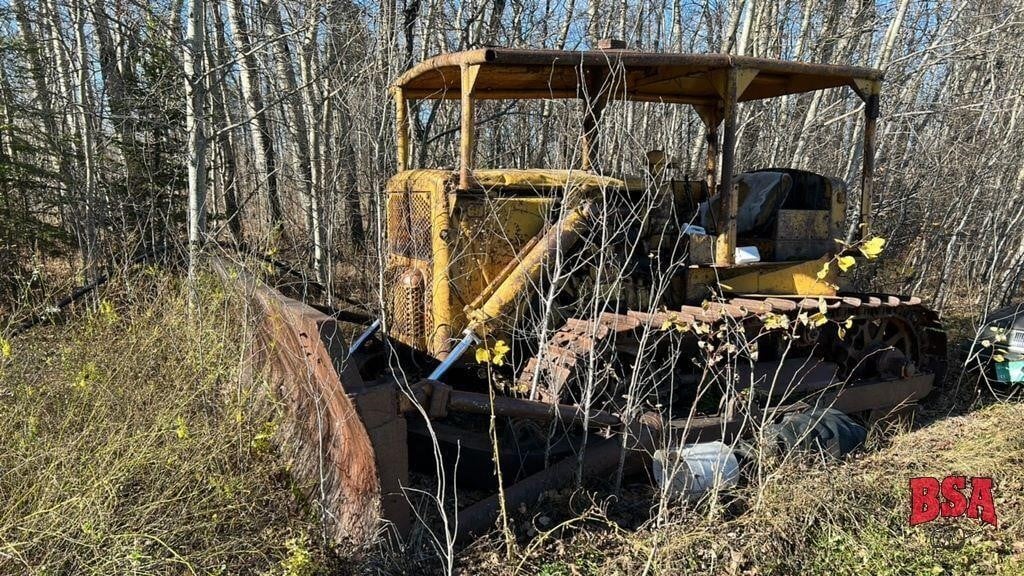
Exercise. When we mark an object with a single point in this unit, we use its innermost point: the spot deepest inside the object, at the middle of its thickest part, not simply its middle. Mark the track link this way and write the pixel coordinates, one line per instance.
(582, 345)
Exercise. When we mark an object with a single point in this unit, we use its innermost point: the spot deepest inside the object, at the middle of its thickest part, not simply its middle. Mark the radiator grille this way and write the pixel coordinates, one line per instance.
(1017, 340)
(409, 225)
(419, 227)
(398, 224)
(408, 310)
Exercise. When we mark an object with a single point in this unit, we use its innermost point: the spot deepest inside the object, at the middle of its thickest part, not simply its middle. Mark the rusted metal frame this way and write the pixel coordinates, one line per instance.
(873, 395)
(870, 95)
(867, 395)
(599, 459)
(603, 457)
(467, 143)
(791, 377)
(725, 245)
(730, 85)
(440, 399)
(689, 430)
(859, 396)
(660, 78)
(625, 95)
(712, 118)
(594, 104)
(476, 403)
(631, 94)
(699, 62)
(402, 124)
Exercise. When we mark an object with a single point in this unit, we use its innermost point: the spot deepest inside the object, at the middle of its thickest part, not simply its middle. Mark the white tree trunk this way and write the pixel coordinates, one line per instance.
(195, 95)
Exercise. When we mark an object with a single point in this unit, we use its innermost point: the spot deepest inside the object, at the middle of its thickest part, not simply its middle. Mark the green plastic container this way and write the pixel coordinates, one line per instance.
(1010, 371)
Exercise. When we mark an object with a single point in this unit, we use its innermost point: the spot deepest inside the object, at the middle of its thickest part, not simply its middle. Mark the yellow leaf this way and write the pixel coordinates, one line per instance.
(822, 306)
(5, 348)
(182, 429)
(986, 343)
(498, 354)
(483, 355)
(108, 312)
(666, 325)
(818, 319)
(846, 262)
(823, 272)
(873, 247)
(86, 376)
(998, 358)
(773, 321)
(849, 322)
(842, 332)
(682, 327)
(495, 355)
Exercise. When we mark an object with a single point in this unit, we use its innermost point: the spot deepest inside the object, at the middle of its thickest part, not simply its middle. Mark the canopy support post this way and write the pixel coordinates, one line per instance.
(725, 245)
(711, 116)
(467, 144)
(402, 121)
(730, 85)
(867, 177)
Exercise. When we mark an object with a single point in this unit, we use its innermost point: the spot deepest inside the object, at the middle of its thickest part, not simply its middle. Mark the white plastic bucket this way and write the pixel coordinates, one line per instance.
(696, 469)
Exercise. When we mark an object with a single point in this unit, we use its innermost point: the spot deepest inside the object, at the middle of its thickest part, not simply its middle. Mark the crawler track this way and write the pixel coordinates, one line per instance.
(860, 330)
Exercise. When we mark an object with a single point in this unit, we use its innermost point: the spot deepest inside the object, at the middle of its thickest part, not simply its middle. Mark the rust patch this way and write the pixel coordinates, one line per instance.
(330, 448)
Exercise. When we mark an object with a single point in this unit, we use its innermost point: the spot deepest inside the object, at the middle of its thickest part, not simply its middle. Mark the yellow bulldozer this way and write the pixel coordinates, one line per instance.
(562, 303)
(470, 251)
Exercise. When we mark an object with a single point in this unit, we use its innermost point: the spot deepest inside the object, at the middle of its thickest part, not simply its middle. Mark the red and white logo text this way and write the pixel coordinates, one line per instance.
(953, 497)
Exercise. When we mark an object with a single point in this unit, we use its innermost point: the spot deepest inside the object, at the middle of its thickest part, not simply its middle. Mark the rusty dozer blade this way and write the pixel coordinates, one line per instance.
(330, 443)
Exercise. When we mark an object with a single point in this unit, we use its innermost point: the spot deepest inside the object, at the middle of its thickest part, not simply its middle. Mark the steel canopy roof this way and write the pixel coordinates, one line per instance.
(629, 74)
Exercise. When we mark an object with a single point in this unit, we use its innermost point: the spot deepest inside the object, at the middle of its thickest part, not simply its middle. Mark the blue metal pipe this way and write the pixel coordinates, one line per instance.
(467, 340)
(364, 337)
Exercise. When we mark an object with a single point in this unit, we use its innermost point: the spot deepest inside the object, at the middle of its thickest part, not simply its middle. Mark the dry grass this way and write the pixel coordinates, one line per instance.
(133, 442)
(844, 518)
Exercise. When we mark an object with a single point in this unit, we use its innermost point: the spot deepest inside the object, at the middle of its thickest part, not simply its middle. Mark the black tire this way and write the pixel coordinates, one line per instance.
(826, 431)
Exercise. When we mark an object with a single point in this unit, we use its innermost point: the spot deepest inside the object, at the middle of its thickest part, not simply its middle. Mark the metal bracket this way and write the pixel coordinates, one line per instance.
(866, 88)
(719, 79)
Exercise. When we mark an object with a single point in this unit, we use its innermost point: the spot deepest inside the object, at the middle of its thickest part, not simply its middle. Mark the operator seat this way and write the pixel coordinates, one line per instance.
(760, 196)
(787, 214)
